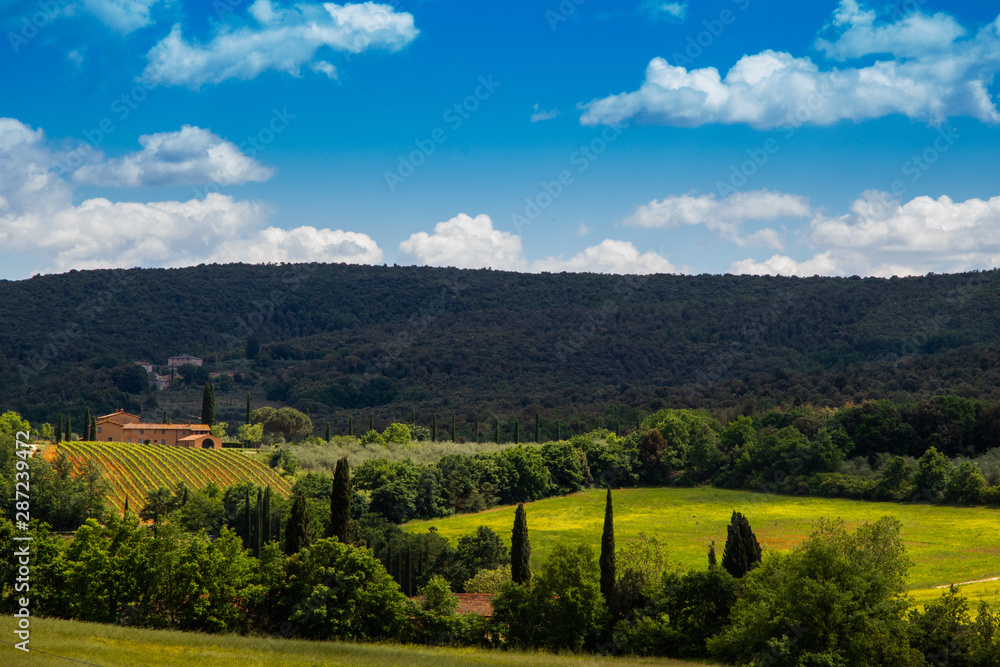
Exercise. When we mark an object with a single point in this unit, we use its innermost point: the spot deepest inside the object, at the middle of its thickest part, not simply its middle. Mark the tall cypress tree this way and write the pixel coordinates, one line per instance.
(248, 408)
(296, 531)
(59, 429)
(742, 552)
(520, 549)
(340, 503)
(86, 424)
(164, 416)
(208, 405)
(258, 520)
(69, 428)
(93, 428)
(608, 551)
(328, 431)
(413, 416)
(125, 513)
(712, 560)
(247, 530)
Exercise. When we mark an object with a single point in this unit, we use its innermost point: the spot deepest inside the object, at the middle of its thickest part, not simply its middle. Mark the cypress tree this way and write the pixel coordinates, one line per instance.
(413, 416)
(208, 405)
(608, 551)
(296, 532)
(520, 549)
(86, 424)
(328, 431)
(712, 561)
(125, 513)
(434, 429)
(248, 408)
(69, 428)
(266, 515)
(538, 428)
(164, 420)
(742, 552)
(340, 503)
(59, 429)
(93, 428)
(247, 532)
(258, 537)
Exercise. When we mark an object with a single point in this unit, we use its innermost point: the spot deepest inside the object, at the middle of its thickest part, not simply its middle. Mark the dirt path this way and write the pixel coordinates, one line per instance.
(963, 583)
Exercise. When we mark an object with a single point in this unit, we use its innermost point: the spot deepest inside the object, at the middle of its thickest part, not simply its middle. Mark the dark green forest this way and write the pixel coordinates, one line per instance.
(581, 350)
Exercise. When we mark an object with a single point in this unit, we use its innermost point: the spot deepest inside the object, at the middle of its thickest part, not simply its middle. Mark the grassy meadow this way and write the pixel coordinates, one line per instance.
(109, 645)
(946, 544)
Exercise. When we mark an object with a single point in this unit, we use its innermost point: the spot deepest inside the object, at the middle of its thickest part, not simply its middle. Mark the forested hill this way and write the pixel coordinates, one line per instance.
(337, 338)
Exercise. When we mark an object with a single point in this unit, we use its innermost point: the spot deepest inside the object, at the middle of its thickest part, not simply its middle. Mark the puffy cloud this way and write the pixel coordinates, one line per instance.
(283, 39)
(190, 156)
(929, 82)
(466, 243)
(38, 216)
(302, 244)
(915, 34)
(882, 236)
(723, 216)
(541, 114)
(609, 256)
(781, 265)
(125, 16)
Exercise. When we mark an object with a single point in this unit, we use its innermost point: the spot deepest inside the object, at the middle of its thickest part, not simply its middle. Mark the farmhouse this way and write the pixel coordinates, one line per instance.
(124, 426)
(174, 363)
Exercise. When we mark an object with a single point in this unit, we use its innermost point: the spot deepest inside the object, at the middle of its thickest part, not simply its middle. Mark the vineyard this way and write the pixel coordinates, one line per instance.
(132, 470)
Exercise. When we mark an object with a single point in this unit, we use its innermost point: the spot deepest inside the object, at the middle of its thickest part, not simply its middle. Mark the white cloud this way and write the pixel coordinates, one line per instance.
(582, 229)
(723, 216)
(929, 82)
(38, 217)
(882, 236)
(541, 114)
(668, 11)
(302, 244)
(125, 16)
(466, 243)
(915, 34)
(282, 38)
(190, 156)
(780, 265)
(609, 256)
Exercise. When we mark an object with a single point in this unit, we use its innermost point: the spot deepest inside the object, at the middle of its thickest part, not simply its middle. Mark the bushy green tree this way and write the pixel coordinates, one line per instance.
(933, 471)
(839, 598)
(966, 485)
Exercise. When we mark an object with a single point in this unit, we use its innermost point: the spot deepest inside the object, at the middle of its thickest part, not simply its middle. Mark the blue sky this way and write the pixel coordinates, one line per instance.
(831, 138)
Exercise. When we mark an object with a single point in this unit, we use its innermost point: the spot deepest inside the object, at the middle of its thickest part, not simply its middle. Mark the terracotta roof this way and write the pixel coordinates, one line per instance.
(196, 436)
(170, 427)
(119, 417)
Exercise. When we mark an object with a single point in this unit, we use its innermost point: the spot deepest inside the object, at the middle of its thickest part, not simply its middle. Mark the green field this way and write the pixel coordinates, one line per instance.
(946, 544)
(112, 646)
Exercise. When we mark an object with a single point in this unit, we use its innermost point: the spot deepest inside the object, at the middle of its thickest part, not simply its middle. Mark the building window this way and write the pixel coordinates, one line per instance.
(98, 429)
(142, 431)
(163, 442)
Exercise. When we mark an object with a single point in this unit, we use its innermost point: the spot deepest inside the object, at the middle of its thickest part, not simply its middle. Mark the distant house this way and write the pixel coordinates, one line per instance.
(124, 426)
(173, 363)
(148, 367)
(161, 382)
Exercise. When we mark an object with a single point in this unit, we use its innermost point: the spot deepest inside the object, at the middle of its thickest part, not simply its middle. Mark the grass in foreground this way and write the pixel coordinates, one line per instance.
(946, 544)
(111, 646)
